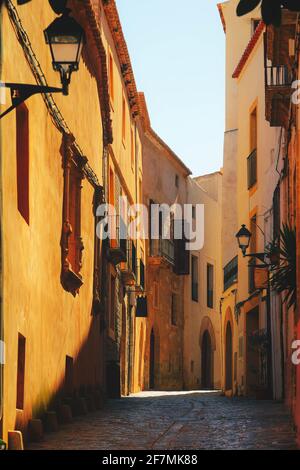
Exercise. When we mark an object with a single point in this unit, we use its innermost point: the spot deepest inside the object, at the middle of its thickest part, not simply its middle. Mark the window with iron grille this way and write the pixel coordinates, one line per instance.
(195, 279)
(252, 169)
(230, 273)
(210, 285)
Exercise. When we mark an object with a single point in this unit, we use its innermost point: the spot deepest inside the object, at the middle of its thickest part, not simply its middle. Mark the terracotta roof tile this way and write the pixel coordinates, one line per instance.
(113, 19)
(219, 6)
(252, 43)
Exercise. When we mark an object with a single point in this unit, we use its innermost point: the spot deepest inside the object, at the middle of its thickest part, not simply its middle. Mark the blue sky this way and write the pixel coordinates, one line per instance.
(177, 52)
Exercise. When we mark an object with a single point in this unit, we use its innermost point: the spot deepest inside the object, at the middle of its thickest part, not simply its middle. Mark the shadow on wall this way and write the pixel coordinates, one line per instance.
(82, 389)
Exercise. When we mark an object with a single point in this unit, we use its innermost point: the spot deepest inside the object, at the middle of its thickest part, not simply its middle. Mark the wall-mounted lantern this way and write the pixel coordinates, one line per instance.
(266, 258)
(243, 237)
(66, 39)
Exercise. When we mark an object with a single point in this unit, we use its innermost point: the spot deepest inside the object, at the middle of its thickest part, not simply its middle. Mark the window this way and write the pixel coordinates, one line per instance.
(112, 303)
(20, 372)
(195, 278)
(132, 148)
(174, 309)
(111, 77)
(123, 120)
(230, 273)
(74, 255)
(252, 159)
(253, 130)
(22, 147)
(71, 241)
(177, 181)
(69, 376)
(182, 255)
(254, 24)
(210, 286)
(252, 169)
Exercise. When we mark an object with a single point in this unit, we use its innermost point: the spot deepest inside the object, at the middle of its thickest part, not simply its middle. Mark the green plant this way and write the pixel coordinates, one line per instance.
(283, 276)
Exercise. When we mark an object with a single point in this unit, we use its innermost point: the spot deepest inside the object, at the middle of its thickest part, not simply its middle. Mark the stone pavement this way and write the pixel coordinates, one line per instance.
(180, 421)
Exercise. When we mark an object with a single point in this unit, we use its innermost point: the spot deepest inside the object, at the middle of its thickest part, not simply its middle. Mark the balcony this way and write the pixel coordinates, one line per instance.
(252, 169)
(278, 39)
(278, 81)
(162, 252)
(118, 242)
(279, 57)
(231, 273)
(128, 268)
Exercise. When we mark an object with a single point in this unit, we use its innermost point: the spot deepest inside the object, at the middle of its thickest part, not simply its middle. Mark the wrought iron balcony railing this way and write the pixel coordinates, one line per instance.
(163, 248)
(278, 76)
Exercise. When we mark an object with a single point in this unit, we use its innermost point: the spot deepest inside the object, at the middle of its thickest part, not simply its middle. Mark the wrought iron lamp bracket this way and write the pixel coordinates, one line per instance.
(261, 257)
(21, 92)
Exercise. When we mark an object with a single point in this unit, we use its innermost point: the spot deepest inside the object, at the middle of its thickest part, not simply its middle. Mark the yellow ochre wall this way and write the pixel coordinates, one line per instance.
(54, 323)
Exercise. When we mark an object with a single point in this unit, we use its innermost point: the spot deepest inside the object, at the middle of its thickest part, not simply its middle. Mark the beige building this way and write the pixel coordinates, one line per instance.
(251, 171)
(203, 289)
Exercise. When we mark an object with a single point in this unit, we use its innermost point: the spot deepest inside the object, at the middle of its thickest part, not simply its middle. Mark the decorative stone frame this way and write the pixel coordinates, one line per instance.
(71, 278)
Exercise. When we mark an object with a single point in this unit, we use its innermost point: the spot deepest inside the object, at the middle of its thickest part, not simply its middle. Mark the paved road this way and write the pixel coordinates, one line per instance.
(178, 420)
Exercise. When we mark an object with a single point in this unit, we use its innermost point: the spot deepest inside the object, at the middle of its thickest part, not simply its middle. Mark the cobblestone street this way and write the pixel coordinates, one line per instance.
(180, 421)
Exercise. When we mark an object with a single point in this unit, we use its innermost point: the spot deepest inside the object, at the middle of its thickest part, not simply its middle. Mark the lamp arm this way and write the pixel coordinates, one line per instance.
(20, 92)
(255, 255)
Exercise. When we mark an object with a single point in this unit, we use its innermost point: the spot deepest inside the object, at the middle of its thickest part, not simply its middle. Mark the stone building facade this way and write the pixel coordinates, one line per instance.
(164, 182)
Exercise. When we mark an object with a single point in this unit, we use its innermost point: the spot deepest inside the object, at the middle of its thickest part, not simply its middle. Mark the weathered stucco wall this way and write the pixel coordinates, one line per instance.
(54, 323)
(198, 317)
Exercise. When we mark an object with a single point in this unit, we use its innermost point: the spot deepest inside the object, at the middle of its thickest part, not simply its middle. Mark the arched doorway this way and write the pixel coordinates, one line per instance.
(228, 357)
(206, 362)
(152, 361)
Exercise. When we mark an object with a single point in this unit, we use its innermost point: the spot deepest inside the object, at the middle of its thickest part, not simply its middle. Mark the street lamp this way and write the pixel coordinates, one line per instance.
(65, 38)
(243, 237)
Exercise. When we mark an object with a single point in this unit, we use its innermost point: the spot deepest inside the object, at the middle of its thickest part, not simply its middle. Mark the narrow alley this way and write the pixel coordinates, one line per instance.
(178, 420)
(149, 225)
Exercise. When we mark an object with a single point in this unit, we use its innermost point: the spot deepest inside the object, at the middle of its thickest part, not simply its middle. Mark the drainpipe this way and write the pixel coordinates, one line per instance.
(1, 260)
